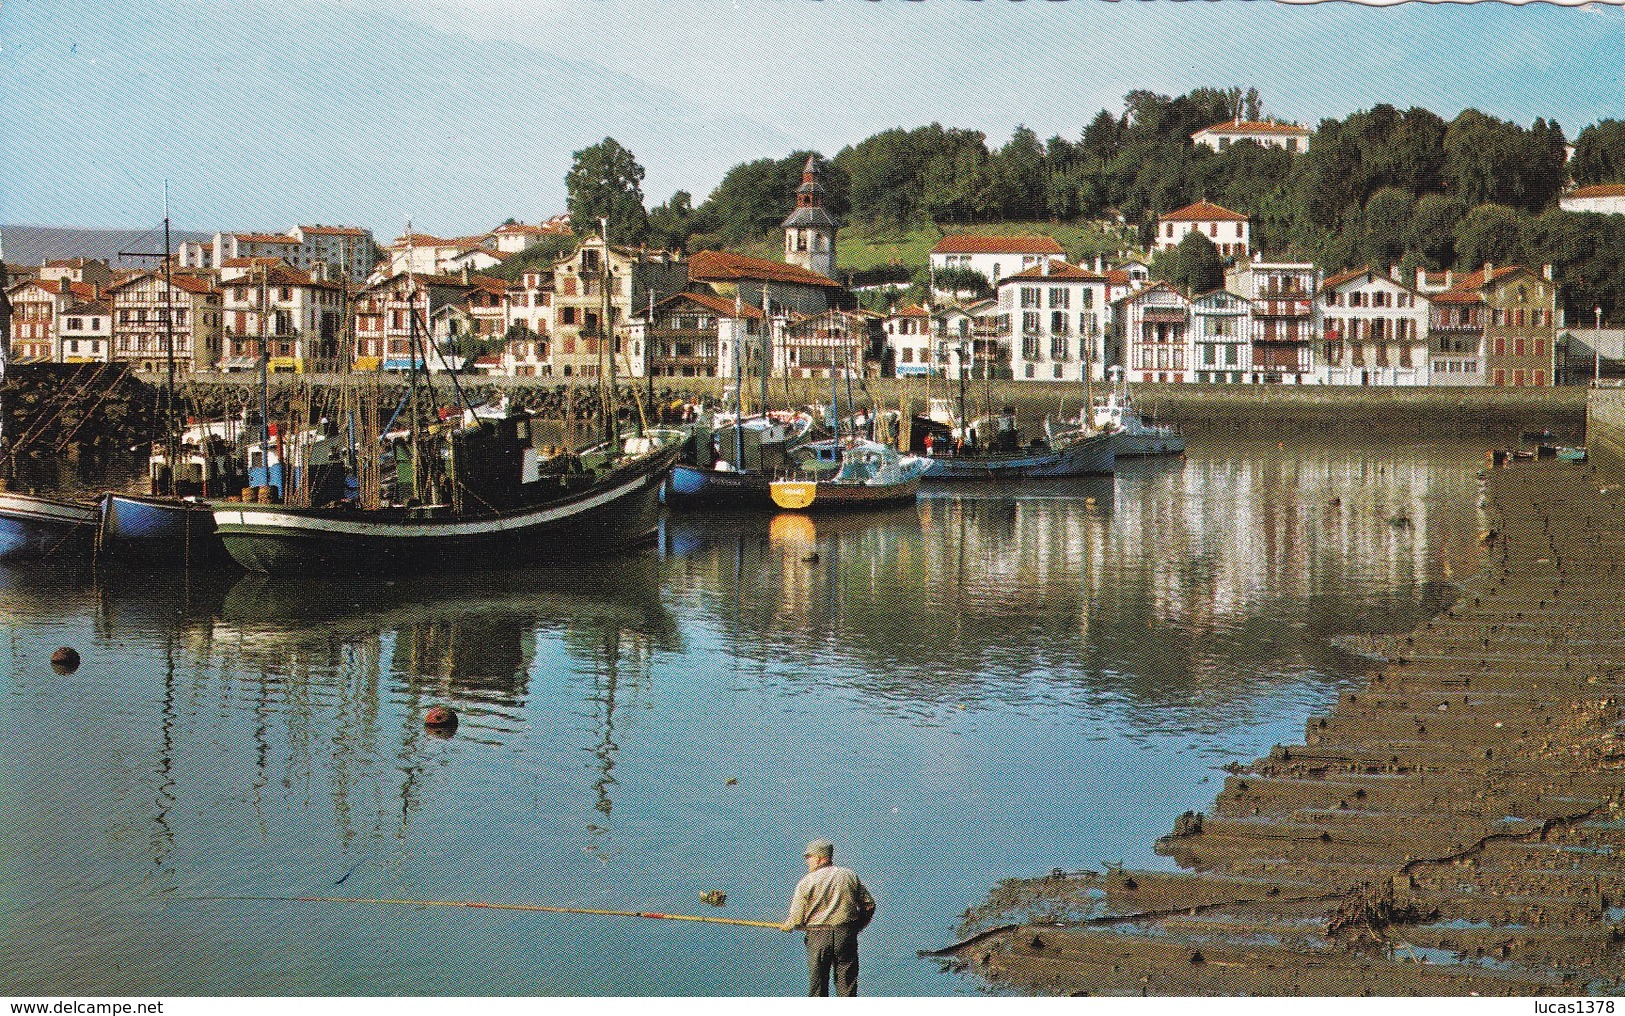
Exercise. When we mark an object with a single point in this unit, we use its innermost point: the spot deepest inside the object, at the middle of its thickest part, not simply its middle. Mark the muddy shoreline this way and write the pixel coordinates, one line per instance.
(1454, 827)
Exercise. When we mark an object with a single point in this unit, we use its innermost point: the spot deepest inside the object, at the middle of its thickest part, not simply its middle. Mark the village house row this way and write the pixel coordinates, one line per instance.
(326, 298)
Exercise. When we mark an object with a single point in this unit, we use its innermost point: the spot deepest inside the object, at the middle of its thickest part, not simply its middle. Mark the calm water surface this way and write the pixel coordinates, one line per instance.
(979, 687)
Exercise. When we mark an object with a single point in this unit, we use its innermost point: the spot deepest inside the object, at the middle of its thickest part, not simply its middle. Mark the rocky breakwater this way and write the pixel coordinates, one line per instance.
(1455, 827)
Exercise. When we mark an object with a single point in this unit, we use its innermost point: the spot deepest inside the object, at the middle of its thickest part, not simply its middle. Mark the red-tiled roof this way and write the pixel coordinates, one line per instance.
(724, 266)
(488, 284)
(1457, 296)
(1059, 271)
(87, 308)
(1476, 280)
(1342, 277)
(713, 303)
(1202, 211)
(1254, 127)
(335, 230)
(971, 243)
(422, 240)
(1118, 277)
(267, 238)
(1599, 190)
(910, 311)
(261, 259)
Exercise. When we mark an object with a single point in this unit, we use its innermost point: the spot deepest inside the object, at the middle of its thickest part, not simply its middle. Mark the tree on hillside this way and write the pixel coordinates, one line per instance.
(1487, 160)
(1194, 266)
(1491, 233)
(1384, 227)
(671, 223)
(1599, 153)
(754, 197)
(1432, 231)
(605, 181)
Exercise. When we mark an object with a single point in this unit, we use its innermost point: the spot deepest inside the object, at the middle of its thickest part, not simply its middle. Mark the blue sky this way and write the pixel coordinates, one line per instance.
(460, 113)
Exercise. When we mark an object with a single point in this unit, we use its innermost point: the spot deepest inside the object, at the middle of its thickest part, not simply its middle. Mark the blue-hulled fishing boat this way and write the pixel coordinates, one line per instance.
(33, 527)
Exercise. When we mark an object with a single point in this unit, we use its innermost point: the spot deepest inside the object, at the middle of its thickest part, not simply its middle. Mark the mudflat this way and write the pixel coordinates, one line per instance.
(1454, 827)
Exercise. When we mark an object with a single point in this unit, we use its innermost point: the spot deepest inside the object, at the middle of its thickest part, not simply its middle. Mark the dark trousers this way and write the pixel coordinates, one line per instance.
(832, 947)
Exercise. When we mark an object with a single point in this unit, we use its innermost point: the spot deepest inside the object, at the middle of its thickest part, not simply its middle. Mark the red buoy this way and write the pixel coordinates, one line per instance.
(440, 720)
(65, 660)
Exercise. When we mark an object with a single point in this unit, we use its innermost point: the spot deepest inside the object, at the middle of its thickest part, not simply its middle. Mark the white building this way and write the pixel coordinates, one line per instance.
(346, 251)
(993, 257)
(1057, 317)
(86, 335)
(1152, 330)
(909, 340)
(1221, 343)
(299, 319)
(1607, 198)
(1230, 232)
(1265, 132)
(1373, 331)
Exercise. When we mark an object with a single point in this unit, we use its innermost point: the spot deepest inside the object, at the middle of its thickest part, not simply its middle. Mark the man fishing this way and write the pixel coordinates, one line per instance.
(831, 906)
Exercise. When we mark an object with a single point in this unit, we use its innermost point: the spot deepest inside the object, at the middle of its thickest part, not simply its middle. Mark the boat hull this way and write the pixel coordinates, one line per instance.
(171, 530)
(1146, 445)
(33, 527)
(693, 487)
(1087, 456)
(276, 540)
(827, 496)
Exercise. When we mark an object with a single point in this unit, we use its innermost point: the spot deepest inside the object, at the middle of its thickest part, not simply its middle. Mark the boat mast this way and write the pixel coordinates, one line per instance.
(606, 339)
(739, 384)
(5, 350)
(170, 444)
(767, 351)
(265, 389)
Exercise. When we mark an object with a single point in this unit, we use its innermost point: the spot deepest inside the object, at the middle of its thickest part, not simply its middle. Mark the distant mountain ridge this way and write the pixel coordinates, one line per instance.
(34, 245)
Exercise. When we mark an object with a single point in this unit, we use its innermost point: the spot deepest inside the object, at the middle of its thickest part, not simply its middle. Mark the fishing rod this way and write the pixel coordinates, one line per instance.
(476, 905)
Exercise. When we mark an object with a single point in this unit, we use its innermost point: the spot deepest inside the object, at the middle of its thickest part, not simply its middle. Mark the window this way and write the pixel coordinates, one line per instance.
(1518, 347)
(1540, 347)
(1057, 322)
(1031, 323)
(1058, 297)
(1031, 296)
(75, 324)
(1540, 378)
(1057, 348)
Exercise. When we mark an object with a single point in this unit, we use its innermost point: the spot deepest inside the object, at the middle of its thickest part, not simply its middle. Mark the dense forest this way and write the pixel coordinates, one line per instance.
(1380, 187)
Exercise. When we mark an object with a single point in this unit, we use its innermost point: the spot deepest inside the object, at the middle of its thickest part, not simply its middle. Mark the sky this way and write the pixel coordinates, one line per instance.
(457, 114)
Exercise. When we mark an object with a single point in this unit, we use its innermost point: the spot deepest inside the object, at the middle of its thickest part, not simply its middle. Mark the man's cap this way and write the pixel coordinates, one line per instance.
(819, 848)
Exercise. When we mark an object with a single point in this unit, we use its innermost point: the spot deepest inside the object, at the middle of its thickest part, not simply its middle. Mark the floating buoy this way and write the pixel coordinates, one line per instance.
(440, 720)
(65, 660)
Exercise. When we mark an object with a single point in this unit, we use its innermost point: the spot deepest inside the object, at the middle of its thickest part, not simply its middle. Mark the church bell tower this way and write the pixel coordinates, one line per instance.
(809, 232)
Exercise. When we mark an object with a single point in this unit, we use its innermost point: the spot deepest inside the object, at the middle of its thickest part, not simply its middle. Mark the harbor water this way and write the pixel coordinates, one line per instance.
(984, 685)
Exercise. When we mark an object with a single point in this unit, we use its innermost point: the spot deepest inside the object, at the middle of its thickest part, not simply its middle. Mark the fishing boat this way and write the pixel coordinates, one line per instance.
(496, 499)
(990, 449)
(734, 465)
(33, 527)
(172, 522)
(843, 477)
(1132, 435)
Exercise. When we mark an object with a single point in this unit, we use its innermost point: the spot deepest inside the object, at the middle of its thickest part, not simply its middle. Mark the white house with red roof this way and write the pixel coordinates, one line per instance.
(346, 251)
(1373, 330)
(992, 257)
(1268, 133)
(1606, 198)
(147, 315)
(298, 317)
(1230, 232)
(1151, 330)
(909, 340)
(692, 334)
(1056, 317)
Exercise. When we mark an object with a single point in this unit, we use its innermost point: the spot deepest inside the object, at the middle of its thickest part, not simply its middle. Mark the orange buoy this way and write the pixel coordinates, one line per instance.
(441, 721)
(65, 660)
